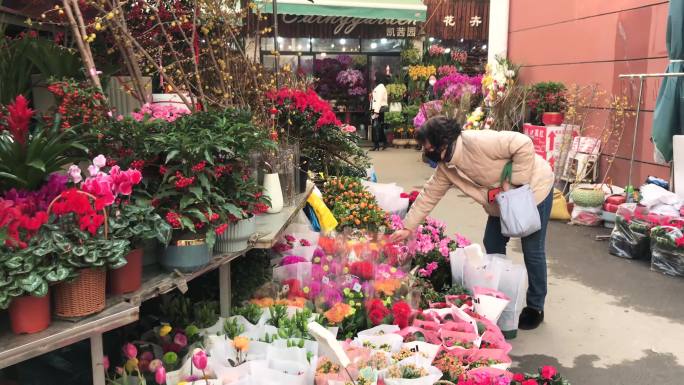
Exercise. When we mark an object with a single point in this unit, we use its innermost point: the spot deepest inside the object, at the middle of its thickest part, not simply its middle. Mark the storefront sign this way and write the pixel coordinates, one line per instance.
(347, 25)
(458, 19)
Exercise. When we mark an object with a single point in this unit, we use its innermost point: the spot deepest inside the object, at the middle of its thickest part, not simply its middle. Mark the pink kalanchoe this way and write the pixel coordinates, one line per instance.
(290, 238)
(304, 242)
(161, 112)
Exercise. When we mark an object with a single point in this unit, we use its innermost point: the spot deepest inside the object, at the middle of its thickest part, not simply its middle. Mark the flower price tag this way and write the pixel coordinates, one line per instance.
(357, 287)
(325, 280)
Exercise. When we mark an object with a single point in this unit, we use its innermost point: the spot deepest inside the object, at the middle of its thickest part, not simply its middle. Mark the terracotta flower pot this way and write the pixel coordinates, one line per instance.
(127, 279)
(552, 118)
(29, 314)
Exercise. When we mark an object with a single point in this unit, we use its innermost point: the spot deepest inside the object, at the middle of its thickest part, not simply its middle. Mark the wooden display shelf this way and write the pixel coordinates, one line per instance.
(124, 309)
(17, 348)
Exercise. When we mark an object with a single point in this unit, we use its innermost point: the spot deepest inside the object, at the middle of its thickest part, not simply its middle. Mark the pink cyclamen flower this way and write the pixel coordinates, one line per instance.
(199, 359)
(100, 161)
(130, 351)
(548, 372)
(75, 174)
(160, 375)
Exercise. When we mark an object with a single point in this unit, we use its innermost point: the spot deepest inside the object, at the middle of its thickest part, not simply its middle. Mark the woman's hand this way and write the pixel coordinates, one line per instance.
(400, 235)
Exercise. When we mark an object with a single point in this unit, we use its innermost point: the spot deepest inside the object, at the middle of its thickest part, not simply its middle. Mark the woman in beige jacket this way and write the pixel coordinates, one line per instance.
(473, 161)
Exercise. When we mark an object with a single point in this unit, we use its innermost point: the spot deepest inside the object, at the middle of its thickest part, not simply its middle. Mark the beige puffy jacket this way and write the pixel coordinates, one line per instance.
(475, 168)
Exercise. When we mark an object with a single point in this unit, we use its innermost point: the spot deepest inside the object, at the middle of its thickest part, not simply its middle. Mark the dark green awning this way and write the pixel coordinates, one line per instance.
(668, 118)
(413, 10)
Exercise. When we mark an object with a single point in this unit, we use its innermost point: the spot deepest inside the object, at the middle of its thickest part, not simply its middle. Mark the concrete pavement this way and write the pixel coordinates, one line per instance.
(608, 320)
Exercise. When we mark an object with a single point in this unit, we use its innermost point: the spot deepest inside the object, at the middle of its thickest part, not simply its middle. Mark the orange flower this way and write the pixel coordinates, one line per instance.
(293, 302)
(241, 343)
(337, 313)
(263, 302)
(387, 286)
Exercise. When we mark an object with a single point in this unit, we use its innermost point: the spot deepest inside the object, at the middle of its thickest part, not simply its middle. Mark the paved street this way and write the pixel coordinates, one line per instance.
(608, 320)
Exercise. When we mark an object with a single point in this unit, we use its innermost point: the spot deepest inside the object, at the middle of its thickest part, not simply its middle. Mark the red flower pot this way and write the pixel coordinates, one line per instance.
(29, 314)
(552, 118)
(127, 279)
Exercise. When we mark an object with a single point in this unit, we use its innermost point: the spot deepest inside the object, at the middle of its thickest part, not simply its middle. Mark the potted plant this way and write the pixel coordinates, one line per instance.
(77, 236)
(28, 155)
(196, 151)
(547, 102)
(396, 92)
(410, 56)
(248, 195)
(393, 120)
(400, 136)
(136, 221)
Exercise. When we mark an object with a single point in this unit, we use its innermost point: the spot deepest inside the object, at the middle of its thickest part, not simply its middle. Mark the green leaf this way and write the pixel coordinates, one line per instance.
(186, 201)
(30, 282)
(172, 154)
(14, 263)
(79, 251)
(197, 191)
(211, 239)
(38, 165)
(58, 274)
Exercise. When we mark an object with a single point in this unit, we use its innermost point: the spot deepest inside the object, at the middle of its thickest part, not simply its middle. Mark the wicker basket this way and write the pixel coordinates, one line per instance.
(86, 294)
(83, 296)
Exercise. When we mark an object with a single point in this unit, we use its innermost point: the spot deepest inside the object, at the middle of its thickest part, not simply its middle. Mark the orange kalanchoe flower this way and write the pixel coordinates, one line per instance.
(387, 286)
(263, 302)
(337, 313)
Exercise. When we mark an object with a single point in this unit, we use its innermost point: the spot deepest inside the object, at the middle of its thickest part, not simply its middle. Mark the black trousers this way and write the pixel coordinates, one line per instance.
(378, 134)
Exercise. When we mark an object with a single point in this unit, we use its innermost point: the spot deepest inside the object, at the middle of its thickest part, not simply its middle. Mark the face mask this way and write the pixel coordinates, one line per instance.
(432, 82)
(434, 155)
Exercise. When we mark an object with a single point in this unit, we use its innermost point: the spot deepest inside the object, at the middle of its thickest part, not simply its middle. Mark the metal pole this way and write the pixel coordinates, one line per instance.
(275, 42)
(224, 289)
(636, 130)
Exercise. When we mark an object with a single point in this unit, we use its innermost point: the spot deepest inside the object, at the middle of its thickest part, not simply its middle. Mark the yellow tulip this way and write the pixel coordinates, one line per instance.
(165, 330)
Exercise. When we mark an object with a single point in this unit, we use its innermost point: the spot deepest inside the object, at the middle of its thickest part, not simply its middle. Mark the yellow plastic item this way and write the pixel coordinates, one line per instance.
(559, 210)
(323, 213)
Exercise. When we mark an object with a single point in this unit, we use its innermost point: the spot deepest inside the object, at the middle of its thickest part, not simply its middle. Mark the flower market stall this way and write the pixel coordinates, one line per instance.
(224, 230)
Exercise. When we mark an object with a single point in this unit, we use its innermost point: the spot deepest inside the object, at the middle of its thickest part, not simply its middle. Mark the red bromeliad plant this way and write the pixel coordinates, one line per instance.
(30, 152)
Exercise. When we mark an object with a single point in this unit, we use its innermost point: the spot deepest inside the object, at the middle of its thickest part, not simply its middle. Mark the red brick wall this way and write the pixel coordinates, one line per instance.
(593, 41)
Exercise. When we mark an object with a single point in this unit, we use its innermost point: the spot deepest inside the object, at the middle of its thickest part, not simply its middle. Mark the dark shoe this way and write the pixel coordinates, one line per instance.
(530, 319)
(374, 149)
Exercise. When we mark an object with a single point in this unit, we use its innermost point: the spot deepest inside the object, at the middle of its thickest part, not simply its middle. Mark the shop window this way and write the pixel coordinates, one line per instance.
(382, 45)
(336, 45)
(287, 62)
(287, 44)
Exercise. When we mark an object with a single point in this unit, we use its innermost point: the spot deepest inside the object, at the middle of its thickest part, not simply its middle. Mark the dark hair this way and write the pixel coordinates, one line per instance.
(439, 131)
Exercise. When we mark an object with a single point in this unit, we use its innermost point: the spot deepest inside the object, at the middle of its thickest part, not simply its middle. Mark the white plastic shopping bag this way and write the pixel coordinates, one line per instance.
(513, 283)
(483, 271)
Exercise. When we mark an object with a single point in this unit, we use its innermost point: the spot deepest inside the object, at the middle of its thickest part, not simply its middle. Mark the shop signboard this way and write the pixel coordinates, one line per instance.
(550, 142)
